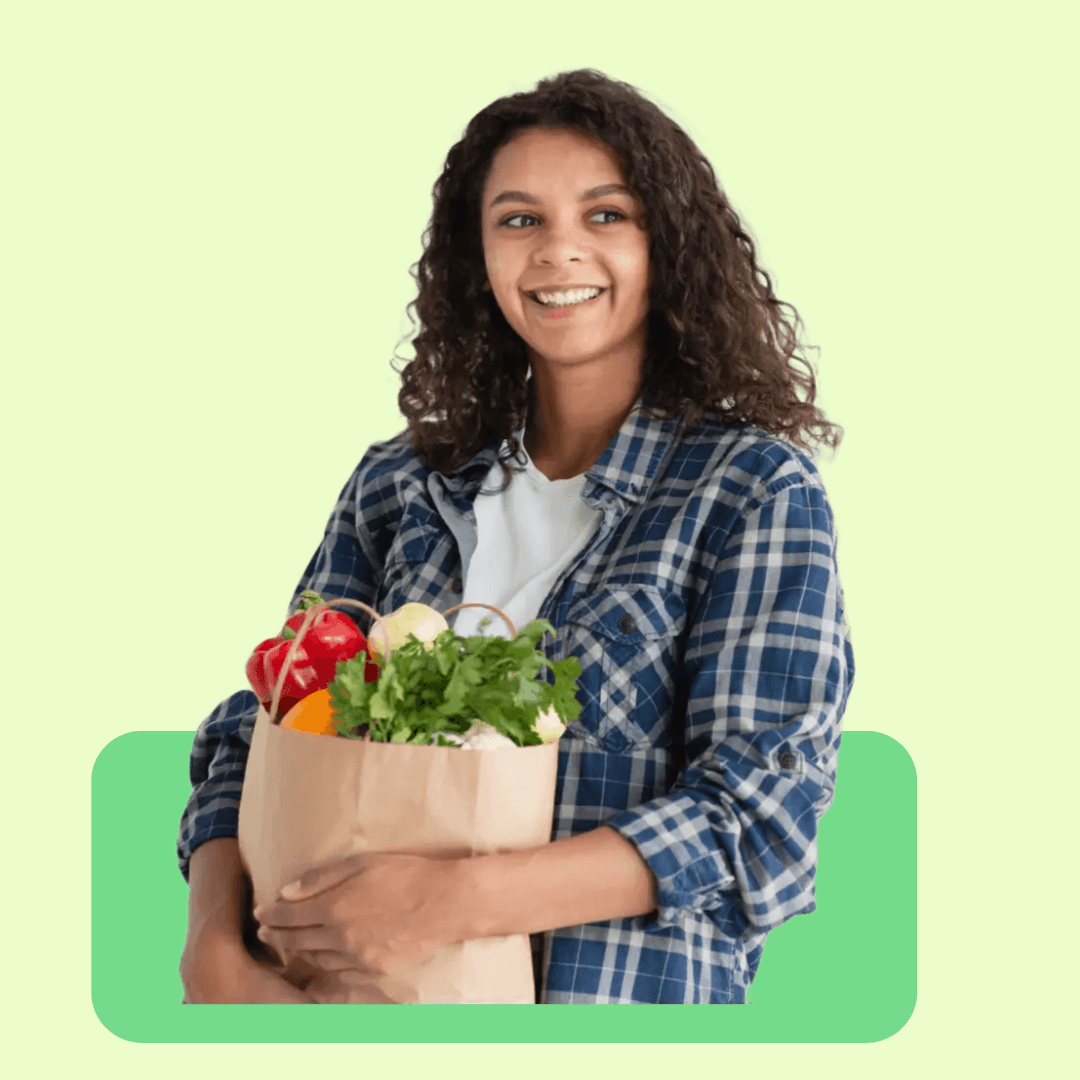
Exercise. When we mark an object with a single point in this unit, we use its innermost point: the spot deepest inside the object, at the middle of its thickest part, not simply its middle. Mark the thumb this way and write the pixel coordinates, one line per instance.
(322, 878)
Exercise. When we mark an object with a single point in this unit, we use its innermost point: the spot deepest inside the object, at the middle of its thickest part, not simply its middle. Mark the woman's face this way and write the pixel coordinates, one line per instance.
(566, 249)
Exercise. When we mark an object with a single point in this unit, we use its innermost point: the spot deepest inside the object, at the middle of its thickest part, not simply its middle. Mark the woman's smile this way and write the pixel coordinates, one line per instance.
(562, 303)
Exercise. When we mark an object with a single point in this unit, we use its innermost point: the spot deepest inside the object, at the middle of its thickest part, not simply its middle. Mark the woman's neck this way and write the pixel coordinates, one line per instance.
(573, 416)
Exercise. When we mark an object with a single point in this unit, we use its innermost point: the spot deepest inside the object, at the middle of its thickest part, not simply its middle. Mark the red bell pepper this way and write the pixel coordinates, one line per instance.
(331, 639)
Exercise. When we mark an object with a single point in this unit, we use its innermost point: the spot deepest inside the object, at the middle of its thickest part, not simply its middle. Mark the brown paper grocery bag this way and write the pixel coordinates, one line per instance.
(310, 799)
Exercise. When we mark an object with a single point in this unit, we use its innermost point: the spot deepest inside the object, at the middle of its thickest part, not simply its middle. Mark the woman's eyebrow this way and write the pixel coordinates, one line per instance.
(602, 190)
(515, 196)
(532, 200)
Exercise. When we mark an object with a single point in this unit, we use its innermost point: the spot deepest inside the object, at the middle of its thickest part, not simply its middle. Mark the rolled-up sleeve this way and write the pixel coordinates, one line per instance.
(218, 759)
(768, 668)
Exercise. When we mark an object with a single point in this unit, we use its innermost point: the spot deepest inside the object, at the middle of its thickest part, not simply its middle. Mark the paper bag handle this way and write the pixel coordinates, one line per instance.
(310, 616)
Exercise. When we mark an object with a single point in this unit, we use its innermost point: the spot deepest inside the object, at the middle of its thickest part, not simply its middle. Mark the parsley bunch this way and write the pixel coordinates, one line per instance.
(447, 684)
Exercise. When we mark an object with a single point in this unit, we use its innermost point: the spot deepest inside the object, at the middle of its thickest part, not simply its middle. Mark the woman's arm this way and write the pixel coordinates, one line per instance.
(219, 893)
(769, 667)
(592, 877)
(215, 966)
(376, 911)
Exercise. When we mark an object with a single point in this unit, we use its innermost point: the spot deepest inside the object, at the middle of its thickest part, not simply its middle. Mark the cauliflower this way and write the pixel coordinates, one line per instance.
(485, 737)
(479, 737)
(548, 726)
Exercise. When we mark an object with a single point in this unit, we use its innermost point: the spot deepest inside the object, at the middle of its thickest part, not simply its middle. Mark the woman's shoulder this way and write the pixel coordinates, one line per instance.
(397, 450)
(390, 464)
(742, 460)
(722, 472)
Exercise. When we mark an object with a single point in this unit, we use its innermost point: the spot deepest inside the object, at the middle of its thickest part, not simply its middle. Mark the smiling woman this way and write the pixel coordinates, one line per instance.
(580, 256)
(589, 309)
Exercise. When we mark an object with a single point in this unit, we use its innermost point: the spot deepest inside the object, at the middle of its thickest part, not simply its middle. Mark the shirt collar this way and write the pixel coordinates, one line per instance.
(467, 479)
(628, 465)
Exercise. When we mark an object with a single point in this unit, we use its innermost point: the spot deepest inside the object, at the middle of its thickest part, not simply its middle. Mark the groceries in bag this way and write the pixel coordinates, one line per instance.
(394, 778)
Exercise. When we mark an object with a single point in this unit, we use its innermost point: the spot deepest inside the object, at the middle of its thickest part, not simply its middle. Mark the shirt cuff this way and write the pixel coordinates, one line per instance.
(224, 824)
(672, 836)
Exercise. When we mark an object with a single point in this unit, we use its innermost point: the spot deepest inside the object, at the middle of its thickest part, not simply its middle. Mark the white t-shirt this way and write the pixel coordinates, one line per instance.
(525, 537)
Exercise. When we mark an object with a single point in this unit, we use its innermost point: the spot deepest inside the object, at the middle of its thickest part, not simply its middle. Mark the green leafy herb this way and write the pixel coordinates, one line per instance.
(444, 686)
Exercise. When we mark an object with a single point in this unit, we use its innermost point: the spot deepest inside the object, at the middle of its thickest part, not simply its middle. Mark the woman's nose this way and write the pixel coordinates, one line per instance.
(561, 243)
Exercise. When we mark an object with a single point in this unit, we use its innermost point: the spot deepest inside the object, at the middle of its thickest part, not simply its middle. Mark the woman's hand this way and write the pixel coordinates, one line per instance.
(225, 973)
(371, 912)
(215, 966)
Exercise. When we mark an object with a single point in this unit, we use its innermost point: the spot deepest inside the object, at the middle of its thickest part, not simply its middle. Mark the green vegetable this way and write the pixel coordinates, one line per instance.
(446, 684)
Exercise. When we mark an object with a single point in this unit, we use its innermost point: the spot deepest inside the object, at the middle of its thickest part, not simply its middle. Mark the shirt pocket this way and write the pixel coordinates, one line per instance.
(627, 639)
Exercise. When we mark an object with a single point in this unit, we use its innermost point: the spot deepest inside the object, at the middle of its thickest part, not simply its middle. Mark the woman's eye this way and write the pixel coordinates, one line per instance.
(510, 221)
(616, 215)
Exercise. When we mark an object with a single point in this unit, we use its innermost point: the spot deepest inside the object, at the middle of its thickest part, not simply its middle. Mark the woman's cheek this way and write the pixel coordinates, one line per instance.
(495, 263)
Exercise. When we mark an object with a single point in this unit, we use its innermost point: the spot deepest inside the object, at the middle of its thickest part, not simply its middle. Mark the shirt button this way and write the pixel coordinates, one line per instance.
(787, 761)
(455, 585)
(615, 741)
(626, 624)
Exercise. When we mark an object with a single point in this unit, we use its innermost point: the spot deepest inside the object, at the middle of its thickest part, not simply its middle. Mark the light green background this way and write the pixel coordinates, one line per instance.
(209, 211)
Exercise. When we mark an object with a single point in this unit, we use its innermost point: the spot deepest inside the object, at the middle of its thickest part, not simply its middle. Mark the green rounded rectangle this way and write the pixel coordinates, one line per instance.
(846, 973)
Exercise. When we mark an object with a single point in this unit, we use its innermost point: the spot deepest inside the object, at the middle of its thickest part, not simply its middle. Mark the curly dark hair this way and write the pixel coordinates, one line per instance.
(718, 340)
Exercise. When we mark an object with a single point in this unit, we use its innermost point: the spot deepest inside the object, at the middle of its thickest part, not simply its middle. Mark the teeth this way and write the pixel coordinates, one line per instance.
(572, 296)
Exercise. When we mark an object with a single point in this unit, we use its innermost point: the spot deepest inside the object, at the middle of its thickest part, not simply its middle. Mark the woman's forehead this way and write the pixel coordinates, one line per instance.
(552, 157)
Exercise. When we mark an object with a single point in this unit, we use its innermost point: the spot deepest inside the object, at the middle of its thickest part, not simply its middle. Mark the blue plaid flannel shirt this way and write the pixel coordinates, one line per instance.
(708, 618)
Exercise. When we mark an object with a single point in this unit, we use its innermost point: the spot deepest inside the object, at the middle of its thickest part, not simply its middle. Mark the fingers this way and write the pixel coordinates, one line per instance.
(302, 939)
(325, 877)
(323, 947)
(329, 960)
(290, 914)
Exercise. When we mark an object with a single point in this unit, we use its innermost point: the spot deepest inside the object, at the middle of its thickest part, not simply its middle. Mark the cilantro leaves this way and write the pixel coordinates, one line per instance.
(447, 684)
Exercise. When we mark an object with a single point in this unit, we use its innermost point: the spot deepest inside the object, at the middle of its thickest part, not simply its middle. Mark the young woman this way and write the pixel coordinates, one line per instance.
(605, 413)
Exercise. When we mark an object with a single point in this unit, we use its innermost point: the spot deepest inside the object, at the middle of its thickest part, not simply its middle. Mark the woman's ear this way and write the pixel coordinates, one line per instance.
(487, 285)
